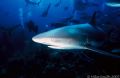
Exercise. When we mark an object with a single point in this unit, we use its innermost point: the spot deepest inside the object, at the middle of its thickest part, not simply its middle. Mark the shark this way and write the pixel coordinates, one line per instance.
(113, 3)
(81, 36)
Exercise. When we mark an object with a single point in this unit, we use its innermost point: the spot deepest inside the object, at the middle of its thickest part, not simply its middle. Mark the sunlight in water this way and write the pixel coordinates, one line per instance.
(21, 17)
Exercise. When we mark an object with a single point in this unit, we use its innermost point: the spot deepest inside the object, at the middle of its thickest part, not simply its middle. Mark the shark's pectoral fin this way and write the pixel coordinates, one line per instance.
(104, 53)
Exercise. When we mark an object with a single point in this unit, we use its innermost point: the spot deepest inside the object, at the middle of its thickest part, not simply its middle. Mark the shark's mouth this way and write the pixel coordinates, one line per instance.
(56, 47)
(66, 47)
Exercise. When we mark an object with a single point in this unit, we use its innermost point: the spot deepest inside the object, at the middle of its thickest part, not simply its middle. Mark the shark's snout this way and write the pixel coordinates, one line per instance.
(43, 40)
(35, 39)
(39, 38)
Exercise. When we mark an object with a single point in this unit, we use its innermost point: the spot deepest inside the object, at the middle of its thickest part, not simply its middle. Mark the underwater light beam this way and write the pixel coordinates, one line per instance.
(21, 17)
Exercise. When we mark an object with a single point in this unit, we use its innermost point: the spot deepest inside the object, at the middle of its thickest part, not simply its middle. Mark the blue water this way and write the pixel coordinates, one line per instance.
(20, 57)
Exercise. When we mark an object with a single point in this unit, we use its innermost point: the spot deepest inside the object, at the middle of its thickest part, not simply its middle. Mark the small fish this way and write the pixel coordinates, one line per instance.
(45, 13)
(32, 27)
(113, 3)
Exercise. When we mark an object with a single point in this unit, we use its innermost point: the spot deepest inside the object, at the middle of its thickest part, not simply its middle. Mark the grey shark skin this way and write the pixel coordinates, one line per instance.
(113, 3)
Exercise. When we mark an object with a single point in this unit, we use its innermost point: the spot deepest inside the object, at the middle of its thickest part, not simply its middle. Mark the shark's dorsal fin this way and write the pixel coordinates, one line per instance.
(93, 19)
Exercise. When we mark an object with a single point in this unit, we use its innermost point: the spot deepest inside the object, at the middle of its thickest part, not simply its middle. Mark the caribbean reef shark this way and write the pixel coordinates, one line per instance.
(82, 36)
